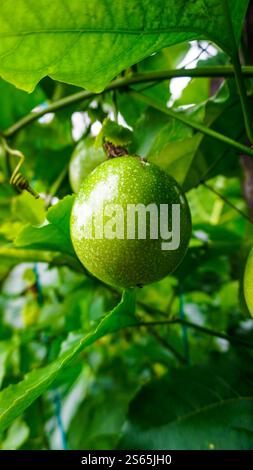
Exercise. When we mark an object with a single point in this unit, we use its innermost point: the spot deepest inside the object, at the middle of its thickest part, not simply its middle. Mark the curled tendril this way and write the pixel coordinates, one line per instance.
(18, 180)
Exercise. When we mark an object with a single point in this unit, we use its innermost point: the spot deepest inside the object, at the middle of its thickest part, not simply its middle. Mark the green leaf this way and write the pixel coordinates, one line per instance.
(167, 142)
(46, 145)
(55, 236)
(195, 92)
(15, 103)
(147, 129)
(98, 421)
(16, 435)
(5, 350)
(114, 133)
(92, 42)
(174, 148)
(16, 398)
(194, 408)
(223, 114)
(10, 256)
(188, 156)
(168, 58)
(28, 209)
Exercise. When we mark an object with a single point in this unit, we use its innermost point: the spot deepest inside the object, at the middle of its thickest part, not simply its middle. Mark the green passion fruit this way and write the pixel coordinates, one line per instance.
(130, 223)
(84, 159)
(248, 282)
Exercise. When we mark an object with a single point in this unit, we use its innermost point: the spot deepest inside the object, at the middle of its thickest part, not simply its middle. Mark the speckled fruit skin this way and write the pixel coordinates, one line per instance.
(84, 159)
(123, 262)
(248, 282)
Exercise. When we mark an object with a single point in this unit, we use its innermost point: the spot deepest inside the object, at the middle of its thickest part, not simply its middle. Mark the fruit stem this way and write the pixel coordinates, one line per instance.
(114, 151)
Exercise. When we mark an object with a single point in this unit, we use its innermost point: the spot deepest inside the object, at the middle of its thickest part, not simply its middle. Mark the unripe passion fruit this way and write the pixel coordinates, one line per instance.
(84, 159)
(248, 282)
(108, 242)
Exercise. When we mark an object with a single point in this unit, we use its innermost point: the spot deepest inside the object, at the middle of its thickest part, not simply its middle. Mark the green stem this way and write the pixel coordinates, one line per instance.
(169, 347)
(231, 339)
(195, 125)
(244, 99)
(229, 203)
(238, 75)
(56, 184)
(119, 83)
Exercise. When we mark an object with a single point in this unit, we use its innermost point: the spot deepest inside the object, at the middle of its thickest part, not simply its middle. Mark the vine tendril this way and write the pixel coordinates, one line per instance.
(18, 180)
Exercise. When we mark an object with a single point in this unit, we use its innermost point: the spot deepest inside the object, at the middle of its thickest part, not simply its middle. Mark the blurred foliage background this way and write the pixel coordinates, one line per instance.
(184, 385)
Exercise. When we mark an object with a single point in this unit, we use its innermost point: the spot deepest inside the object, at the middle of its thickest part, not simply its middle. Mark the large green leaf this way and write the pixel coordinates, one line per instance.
(89, 43)
(203, 407)
(16, 398)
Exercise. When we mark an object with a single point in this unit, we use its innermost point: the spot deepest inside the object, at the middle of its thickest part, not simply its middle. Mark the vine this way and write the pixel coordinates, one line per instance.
(125, 83)
(194, 125)
(18, 180)
(239, 76)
